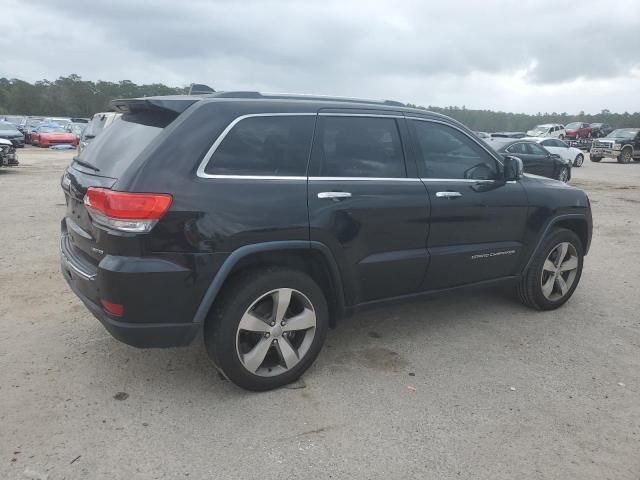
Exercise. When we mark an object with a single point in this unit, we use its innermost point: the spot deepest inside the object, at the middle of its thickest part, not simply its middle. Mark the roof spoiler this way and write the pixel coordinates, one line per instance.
(176, 104)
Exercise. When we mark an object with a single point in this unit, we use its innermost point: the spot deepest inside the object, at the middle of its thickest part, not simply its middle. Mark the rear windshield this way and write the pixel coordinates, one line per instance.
(120, 144)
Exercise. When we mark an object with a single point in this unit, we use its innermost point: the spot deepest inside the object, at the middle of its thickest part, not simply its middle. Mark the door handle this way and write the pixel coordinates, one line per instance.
(448, 194)
(334, 195)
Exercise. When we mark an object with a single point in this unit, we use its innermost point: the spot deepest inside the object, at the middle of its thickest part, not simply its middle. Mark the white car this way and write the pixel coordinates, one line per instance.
(551, 130)
(554, 145)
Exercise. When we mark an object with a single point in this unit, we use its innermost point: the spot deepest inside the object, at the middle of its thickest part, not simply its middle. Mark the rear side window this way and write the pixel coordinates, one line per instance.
(265, 146)
(447, 153)
(358, 147)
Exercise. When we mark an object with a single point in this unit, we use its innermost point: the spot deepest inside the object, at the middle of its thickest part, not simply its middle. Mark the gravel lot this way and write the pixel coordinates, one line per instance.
(467, 386)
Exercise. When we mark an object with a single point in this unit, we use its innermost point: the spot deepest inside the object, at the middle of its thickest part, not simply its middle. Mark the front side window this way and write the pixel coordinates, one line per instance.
(444, 152)
(348, 146)
(265, 146)
(548, 143)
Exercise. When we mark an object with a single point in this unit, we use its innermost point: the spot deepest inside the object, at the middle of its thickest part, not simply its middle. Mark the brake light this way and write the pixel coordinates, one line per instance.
(124, 211)
(115, 309)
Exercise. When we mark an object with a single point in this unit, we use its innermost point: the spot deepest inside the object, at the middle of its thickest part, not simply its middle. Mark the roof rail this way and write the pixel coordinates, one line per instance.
(302, 96)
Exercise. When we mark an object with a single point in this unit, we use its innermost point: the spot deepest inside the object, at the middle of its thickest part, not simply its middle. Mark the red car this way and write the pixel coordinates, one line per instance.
(48, 135)
(577, 130)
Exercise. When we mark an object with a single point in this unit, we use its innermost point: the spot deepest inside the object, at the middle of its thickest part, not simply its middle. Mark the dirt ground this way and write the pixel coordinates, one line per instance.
(468, 386)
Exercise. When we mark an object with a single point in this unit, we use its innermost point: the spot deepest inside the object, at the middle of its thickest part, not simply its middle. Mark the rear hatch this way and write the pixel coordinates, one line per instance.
(101, 164)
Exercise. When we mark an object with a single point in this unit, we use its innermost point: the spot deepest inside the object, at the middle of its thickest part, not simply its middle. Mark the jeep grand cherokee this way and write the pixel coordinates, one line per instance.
(264, 219)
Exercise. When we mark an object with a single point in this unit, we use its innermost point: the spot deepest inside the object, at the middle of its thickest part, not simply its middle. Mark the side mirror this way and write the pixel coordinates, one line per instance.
(513, 168)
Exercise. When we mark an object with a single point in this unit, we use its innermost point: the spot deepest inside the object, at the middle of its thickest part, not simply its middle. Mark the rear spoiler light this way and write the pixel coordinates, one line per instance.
(124, 211)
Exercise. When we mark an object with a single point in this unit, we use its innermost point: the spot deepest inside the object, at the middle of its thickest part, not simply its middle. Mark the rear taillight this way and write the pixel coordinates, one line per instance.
(124, 211)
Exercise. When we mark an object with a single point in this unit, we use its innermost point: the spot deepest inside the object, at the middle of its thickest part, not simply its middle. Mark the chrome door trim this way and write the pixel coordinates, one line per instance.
(363, 179)
(334, 194)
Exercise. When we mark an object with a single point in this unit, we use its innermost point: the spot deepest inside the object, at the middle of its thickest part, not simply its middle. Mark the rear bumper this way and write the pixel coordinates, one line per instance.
(140, 335)
(86, 281)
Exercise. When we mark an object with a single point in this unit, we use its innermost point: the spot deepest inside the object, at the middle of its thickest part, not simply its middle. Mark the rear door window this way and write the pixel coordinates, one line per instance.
(351, 146)
(265, 146)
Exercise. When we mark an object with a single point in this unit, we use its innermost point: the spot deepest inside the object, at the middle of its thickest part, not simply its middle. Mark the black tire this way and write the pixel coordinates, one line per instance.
(529, 290)
(625, 156)
(579, 160)
(595, 159)
(221, 327)
(563, 174)
(561, 137)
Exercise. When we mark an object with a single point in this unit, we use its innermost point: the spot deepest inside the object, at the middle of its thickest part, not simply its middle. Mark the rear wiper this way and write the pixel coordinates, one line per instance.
(85, 164)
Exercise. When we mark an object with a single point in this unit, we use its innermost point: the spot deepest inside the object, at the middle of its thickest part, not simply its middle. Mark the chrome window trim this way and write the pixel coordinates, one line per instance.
(372, 115)
(361, 179)
(454, 180)
(461, 131)
(205, 161)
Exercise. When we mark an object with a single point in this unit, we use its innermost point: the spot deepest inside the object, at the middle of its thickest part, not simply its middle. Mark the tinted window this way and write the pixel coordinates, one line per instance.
(445, 152)
(358, 147)
(548, 143)
(518, 148)
(536, 149)
(267, 146)
(115, 149)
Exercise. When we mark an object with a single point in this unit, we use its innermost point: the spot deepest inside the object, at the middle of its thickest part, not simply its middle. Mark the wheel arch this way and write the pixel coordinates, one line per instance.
(577, 223)
(313, 258)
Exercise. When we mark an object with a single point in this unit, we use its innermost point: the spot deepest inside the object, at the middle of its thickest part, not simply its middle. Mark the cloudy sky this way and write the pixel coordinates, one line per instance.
(516, 55)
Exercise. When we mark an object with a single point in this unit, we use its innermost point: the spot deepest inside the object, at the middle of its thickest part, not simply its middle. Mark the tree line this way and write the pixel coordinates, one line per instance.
(72, 96)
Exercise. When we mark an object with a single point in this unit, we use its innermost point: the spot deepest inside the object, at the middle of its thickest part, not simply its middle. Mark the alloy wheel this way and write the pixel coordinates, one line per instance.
(559, 271)
(579, 161)
(563, 176)
(276, 332)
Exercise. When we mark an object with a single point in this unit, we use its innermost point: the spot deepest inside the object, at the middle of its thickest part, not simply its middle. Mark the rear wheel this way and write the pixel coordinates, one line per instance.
(579, 160)
(563, 175)
(554, 272)
(267, 328)
(561, 137)
(625, 156)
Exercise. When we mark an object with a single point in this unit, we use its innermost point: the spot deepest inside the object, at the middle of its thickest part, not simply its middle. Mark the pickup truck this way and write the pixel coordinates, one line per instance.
(623, 144)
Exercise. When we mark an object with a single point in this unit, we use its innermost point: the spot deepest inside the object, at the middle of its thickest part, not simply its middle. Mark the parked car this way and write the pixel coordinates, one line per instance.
(264, 221)
(7, 153)
(48, 134)
(622, 144)
(600, 130)
(8, 131)
(560, 148)
(77, 129)
(535, 158)
(30, 127)
(577, 130)
(18, 120)
(553, 130)
(508, 135)
(97, 124)
(62, 121)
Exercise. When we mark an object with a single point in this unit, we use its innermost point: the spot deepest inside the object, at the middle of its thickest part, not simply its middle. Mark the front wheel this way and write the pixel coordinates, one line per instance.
(579, 160)
(595, 159)
(554, 272)
(267, 328)
(625, 156)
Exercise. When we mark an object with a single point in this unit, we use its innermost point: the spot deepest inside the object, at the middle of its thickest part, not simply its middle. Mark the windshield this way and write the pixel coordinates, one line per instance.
(14, 119)
(573, 126)
(626, 133)
(540, 130)
(52, 129)
(7, 126)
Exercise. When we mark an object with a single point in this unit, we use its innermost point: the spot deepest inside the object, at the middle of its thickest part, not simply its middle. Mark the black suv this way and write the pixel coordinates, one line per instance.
(264, 219)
